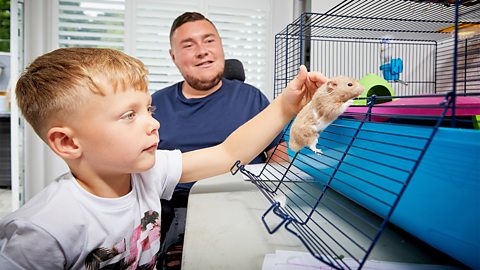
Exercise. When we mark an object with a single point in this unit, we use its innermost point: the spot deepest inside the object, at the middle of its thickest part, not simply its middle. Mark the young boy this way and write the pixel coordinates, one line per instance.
(92, 107)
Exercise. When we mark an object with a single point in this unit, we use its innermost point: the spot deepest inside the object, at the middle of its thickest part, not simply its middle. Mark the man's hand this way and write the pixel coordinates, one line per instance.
(300, 90)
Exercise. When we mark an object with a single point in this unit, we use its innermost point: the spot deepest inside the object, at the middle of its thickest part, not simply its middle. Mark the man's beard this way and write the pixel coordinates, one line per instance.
(200, 85)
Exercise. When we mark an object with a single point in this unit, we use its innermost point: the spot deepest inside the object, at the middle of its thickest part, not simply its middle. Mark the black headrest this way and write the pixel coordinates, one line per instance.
(234, 70)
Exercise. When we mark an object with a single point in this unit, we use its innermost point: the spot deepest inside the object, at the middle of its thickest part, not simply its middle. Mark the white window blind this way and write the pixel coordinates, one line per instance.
(95, 23)
(152, 28)
(245, 31)
(142, 30)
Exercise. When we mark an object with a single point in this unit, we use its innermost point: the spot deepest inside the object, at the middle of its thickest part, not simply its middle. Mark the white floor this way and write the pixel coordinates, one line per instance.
(5, 201)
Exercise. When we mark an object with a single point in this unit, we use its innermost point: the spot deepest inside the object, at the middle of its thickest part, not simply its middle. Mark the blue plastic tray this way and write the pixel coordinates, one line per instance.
(441, 203)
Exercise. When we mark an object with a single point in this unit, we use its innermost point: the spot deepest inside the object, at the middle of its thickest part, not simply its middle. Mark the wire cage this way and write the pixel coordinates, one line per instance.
(355, 37)
(407, 152)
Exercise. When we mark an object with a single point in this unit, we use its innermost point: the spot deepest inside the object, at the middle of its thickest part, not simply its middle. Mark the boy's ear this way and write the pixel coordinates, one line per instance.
(62, 143)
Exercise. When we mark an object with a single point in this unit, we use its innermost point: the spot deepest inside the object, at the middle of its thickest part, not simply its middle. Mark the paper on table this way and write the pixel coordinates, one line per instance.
(296, 260)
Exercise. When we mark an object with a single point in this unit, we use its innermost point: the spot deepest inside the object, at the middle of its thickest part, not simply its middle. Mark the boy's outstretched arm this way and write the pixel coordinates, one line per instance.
(251, 138)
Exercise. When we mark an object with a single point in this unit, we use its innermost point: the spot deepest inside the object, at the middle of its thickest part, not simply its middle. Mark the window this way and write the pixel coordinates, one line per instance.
(245, 33)
(152, 28)
(91, 23)
(5, 26)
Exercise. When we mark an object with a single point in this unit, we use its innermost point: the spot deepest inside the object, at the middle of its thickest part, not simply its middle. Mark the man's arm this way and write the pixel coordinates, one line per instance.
(251, 138)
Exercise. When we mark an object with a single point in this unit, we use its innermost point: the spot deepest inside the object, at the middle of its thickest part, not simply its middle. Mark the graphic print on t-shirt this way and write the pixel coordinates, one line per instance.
(139, 252)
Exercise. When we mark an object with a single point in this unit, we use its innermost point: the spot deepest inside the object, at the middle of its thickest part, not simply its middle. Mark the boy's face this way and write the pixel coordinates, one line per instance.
(117, 133)
(198, 53)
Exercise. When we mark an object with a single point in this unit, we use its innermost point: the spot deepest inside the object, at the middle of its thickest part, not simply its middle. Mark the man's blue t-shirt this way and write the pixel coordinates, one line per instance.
(190, 124)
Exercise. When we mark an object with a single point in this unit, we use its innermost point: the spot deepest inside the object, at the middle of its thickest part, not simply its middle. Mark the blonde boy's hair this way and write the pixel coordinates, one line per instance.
(56, 83)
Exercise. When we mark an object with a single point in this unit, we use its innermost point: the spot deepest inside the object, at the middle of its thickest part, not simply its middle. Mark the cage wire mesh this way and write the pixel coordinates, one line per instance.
(340, 202)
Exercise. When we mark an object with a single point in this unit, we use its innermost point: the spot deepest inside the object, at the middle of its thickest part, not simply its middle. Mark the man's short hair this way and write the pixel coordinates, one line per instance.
(185, 18)
(55, 84)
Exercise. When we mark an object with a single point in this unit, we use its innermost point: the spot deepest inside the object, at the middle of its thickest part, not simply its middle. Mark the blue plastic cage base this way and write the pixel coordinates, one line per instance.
(440, 206)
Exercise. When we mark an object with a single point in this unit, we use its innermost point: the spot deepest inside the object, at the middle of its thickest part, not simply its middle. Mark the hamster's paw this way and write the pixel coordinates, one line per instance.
(317, 151)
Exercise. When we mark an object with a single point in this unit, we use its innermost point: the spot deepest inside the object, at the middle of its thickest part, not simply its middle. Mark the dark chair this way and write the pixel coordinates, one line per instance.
(234, 70)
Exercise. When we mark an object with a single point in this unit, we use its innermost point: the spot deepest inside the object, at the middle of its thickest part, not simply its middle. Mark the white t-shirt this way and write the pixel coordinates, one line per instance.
(65, 227)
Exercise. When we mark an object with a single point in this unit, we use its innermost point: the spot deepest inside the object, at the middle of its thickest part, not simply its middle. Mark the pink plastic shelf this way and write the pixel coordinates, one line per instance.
(422, 106)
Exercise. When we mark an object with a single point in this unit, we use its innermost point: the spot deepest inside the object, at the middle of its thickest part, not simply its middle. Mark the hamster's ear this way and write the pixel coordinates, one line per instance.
(61, 141)
(331, 85)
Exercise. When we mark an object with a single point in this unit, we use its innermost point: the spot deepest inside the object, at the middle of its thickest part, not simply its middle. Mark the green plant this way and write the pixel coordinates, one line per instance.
(4, 25)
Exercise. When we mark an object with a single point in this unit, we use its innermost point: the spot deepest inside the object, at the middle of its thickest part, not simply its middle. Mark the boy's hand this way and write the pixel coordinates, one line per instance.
(300, 90)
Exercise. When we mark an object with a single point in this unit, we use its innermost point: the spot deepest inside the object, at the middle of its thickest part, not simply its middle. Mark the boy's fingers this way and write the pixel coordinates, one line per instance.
(312, 82)
(300, 79)
(317, 79)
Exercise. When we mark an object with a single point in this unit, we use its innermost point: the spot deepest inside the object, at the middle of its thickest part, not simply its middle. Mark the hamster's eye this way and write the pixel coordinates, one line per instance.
(350, 84)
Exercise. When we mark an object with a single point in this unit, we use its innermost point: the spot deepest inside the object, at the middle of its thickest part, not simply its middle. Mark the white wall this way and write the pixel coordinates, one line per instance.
(41, 164)
(282, 14)
(14, 126)
(324, 5)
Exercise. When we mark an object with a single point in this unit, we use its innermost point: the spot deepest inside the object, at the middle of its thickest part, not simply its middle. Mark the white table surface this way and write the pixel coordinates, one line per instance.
(224, 230)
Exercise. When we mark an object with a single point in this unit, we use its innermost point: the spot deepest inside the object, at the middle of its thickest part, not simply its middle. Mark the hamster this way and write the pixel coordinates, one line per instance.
(328, 102)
